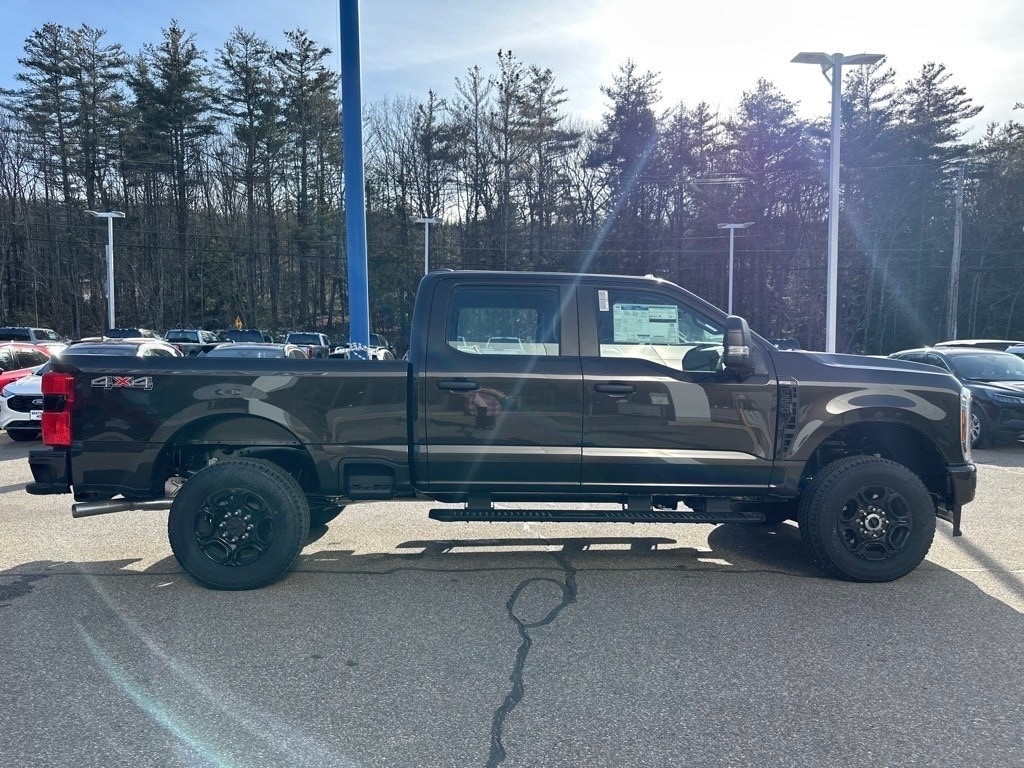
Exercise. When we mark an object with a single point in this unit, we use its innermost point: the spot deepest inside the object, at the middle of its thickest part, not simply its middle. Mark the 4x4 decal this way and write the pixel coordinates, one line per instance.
(123, 382)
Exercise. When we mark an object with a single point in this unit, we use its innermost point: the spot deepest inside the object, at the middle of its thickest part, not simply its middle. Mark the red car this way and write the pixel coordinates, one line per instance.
(17, 360)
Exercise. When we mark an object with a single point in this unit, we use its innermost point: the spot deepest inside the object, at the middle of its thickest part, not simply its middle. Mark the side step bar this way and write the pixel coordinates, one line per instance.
(594, 516)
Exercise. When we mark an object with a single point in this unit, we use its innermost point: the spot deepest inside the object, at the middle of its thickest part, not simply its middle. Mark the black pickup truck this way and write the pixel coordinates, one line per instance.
(520, 387)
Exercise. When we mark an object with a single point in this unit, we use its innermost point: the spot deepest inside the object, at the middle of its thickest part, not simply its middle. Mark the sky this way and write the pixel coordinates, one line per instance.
(707, 51)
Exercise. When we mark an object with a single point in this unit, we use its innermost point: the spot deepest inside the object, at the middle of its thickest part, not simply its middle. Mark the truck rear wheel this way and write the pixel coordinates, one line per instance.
(238, 524)
(865, 518)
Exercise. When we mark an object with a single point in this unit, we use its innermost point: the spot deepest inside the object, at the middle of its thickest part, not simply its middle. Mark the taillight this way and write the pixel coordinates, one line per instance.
(58, 395)
(309, 351)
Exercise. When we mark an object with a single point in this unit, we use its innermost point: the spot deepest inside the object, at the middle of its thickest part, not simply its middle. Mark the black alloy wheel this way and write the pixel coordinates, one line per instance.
(866, 518)
(238, 524)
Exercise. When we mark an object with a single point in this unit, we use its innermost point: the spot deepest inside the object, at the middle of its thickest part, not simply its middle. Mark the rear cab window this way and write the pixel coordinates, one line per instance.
(520, 320)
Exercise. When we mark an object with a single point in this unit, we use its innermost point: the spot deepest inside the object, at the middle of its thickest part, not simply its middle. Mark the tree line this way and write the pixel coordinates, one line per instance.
(228, 168)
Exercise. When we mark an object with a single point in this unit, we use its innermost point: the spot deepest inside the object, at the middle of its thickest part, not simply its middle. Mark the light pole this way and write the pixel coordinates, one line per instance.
(835, 63)
(732, 234)
(426, 240)
(109, 216)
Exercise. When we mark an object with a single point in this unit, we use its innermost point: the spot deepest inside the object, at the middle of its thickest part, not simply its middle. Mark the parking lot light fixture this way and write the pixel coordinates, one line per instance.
(834, 63)
(109, 216)
(426, 222)
(732, 233)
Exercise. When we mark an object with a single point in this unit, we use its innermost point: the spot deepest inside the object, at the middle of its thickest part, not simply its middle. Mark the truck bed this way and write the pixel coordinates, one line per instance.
(129, 412)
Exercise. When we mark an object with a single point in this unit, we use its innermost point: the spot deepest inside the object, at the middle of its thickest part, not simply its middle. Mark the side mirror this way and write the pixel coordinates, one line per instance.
(738, 355)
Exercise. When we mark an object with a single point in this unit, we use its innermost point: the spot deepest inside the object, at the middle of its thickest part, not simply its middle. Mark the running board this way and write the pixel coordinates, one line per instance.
(594, 516)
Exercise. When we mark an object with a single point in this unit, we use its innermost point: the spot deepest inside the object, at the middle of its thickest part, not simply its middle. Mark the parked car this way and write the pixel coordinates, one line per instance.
(998, 344)
(344, 352)
(130, 333)
(139, 347)
(255, 349)
(376, 340)
(18, 360)
(21, 401)
(315, 344)
(21, 405)
(249, 334)
(41, 337)
(191, 341)
(996, 381)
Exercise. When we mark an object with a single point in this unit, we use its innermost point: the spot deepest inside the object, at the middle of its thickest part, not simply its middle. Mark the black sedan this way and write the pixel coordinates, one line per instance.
(996, 381)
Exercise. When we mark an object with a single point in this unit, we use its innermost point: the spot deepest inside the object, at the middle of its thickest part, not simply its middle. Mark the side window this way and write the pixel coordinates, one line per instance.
(30, 358)
(504, 321)
(936, 361)
(7, 361)
(654, 327)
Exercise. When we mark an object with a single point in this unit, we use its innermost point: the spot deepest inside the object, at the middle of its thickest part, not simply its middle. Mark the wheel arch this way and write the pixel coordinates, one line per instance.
(243, 435)
(900, 442)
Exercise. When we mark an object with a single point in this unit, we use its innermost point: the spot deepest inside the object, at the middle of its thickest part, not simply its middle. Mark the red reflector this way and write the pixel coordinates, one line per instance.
(57, 429)
(59, 387)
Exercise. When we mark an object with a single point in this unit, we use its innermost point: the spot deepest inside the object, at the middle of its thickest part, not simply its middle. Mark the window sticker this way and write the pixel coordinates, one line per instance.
(602, 300)
(646, 323)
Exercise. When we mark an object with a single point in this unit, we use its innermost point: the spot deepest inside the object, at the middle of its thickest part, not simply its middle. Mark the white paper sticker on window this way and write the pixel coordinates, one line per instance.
(602, 300)
(646, 323)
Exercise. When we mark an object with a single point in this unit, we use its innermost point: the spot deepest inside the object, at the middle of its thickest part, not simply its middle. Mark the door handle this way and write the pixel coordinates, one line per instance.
(458, 385)
(615, 388)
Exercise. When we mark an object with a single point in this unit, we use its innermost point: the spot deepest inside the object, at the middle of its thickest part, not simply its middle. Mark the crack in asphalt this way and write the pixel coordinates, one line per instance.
(514, 696)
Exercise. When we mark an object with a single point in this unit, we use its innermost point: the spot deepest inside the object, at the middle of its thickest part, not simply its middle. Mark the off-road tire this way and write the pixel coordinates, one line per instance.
(238, 524)
(865, 518)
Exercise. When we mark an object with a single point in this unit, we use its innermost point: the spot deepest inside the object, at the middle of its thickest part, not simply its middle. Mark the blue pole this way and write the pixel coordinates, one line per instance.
(355, 198)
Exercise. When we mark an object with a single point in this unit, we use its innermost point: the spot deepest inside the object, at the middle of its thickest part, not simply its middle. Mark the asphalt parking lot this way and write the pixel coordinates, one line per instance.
(399, 641)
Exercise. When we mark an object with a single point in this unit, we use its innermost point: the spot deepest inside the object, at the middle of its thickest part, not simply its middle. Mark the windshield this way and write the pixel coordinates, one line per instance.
(244, 336)
(991, 366)
(181, 336)
(303, 338)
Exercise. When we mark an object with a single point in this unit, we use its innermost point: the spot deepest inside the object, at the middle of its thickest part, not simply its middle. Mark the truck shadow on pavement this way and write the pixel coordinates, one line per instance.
(458, 651)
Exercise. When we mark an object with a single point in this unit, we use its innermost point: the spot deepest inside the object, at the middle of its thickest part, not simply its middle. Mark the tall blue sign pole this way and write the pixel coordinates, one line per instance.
(355, 197)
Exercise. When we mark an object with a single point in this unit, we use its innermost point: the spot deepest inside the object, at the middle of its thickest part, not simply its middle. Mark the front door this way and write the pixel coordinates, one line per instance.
(661, 414)
(503, 392)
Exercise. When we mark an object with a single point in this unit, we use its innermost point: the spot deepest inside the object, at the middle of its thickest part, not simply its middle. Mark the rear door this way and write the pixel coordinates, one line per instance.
(502, 387)
(661, 415)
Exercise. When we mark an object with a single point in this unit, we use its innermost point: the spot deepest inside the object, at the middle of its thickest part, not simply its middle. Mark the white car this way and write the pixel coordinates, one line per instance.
(21, 406)
(372, 352)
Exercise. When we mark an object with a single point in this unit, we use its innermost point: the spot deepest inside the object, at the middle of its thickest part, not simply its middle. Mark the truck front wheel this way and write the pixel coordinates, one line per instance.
(238, 524)
(865, 518)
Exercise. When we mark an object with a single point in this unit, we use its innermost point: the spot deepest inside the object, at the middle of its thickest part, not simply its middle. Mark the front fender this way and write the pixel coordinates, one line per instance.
(932, 414)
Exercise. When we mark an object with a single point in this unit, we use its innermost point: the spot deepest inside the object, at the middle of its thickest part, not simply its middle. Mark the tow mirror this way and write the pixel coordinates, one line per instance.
(738, 355)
